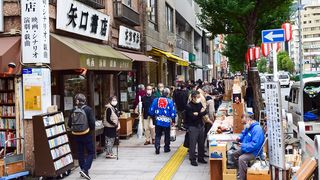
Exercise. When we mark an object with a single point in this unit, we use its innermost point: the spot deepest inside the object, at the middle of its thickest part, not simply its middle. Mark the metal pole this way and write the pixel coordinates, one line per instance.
(275, 63)
(300, 60)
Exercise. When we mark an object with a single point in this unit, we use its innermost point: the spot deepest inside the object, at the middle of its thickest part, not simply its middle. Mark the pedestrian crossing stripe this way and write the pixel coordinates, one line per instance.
(171, 167)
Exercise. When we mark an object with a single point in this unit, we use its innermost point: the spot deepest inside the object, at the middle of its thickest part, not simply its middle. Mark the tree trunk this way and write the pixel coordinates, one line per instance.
(257, 96)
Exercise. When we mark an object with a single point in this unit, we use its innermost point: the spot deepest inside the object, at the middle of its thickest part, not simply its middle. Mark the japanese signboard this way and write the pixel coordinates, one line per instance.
(35, 31)
(36, 91)
(1, 16)
(100, 63)
(275, 130)
(75, 17)
(129, 38)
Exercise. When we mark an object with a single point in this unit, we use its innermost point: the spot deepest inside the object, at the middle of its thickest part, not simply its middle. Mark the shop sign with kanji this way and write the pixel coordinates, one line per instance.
(129, 38)
(1, 16)
(35, 41)
(75, 17)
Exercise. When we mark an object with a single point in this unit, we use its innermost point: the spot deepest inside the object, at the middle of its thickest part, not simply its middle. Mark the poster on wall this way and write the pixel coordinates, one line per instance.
(35, 41)
(78, 18)
(36, 91)
(129, 38)
(1, 16)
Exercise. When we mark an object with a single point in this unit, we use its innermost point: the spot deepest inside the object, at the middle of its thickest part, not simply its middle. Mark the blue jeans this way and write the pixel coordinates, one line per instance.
(159, 130)
(85, 142)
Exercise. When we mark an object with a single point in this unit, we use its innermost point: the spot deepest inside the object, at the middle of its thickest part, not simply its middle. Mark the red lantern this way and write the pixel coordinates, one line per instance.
(278, 47)
(257, 52)
(266, 49)
(251, 54)
(247, 57)
(287, 27)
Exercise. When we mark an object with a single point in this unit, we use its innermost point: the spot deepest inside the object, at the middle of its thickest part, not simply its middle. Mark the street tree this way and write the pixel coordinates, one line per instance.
(245, 18)
(262, 65)
(284, 62)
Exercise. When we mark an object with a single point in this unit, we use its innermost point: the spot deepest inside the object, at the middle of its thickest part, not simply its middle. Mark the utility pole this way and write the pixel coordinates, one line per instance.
(300, 58)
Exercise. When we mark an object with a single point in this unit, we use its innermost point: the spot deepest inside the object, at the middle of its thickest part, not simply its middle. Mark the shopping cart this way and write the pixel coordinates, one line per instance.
(9, 160)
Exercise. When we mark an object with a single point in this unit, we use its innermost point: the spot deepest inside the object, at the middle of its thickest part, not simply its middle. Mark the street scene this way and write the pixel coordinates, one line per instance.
(160, 89)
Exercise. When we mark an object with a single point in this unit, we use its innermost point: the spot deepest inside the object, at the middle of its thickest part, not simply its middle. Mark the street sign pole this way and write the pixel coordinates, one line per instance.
(275, 62)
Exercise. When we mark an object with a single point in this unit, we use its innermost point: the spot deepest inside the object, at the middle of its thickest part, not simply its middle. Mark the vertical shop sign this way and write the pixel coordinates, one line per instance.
(275, 126)
(75, 17)
(129, 38)
(35, 31)
(1, 16)
(36, 91)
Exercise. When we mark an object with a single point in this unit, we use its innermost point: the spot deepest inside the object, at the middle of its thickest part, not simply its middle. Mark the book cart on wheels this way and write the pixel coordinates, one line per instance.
(53, 157)
(12, 159)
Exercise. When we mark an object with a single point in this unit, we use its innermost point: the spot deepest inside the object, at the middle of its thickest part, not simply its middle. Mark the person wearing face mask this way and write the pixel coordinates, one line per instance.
(111, 125)
(194, 120)
(148, 121)
(250, 142)
(159, 91)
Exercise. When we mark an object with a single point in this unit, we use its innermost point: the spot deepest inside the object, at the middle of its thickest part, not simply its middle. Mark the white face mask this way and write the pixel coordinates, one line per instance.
(114, 103)
(149, 92)
(161, 89)
(198, 100)
(247, 125)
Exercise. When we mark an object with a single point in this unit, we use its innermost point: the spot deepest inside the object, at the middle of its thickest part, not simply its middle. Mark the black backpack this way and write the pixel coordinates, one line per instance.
(79, 120)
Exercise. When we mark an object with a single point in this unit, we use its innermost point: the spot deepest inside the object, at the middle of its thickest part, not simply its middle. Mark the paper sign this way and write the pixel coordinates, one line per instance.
(32, 98)
(68, 103)
(123, 97)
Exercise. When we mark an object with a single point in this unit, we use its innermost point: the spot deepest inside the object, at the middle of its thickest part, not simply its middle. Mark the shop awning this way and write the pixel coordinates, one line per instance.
(138, 57)
(9, 52)
(68, 53)
(170, 57)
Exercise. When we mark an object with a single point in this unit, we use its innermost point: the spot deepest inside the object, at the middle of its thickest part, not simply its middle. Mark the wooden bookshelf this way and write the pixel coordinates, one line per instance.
(53, 156)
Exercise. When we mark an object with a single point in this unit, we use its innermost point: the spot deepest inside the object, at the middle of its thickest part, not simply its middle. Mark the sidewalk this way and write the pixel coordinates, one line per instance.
(139, 162)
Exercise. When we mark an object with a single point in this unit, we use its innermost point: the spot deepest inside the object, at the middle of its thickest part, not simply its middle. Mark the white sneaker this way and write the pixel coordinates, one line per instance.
(84, 175)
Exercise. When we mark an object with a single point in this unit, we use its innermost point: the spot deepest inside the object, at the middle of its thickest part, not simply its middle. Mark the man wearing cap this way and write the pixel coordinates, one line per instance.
(250, 142)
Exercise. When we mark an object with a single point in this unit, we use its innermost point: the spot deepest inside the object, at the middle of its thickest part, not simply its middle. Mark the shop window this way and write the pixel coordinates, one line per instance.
(153, 14)
(169, 18)
(128, 3)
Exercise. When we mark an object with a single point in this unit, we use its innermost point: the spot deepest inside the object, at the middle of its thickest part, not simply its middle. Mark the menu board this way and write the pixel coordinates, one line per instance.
(274, 123)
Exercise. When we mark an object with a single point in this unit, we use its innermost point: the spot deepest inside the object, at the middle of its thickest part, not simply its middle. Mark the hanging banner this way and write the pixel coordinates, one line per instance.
(36, 91)
(75, 17)
(1, 16)
(35, 41)
(129, 38)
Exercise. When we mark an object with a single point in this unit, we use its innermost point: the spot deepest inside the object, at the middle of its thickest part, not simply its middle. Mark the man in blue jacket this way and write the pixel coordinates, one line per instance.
(163, 111)
(250, 141)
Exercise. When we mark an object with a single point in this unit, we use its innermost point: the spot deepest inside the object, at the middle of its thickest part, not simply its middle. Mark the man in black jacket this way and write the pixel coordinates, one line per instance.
(84, 139)
(149, 127)
(194, 114)
(180, 98)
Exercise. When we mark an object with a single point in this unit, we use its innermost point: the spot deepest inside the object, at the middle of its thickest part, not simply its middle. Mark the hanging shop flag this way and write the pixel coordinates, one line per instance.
(35, 41)
(1, 16)
(287, 31)
(75, 17)
(129, 38)
(257, 52)
(266, 49)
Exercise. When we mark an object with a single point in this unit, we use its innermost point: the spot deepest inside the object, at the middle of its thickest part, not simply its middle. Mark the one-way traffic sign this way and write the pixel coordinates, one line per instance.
(273, 36)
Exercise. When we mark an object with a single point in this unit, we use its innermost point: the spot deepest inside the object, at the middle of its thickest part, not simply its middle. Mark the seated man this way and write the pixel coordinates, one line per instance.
(250, 141)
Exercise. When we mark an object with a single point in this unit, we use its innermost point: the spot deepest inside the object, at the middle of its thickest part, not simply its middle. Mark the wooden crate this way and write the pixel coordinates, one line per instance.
(11, 168)
(222, 150)
(238, 110)
(126, 126)
(229, 176)
(258, 176)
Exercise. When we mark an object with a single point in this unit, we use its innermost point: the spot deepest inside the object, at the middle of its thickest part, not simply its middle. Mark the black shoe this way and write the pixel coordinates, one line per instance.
(202, 161)
(157, 151)
(167, 150)
(194, 163)
(85, 175)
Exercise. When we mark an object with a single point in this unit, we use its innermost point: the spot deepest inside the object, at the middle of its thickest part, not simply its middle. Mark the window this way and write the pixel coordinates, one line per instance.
(153, 14)
(169, 18)
(128, 3)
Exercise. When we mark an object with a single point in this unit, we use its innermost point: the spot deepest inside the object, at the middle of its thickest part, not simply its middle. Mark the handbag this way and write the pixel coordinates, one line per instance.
(173, 136)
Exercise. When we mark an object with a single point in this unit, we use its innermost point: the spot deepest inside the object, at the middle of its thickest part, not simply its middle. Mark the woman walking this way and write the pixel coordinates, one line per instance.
(111, 125)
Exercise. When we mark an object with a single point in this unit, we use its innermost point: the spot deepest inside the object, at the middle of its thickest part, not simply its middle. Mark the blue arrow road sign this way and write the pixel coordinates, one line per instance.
(273, 36)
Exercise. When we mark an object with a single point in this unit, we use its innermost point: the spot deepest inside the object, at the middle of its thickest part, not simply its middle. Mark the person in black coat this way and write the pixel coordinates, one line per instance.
(180, 98)
(194, 121)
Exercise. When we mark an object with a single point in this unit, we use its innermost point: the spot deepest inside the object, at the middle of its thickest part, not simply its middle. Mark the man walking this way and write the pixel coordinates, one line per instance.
(180, 97)
(164, 112)
(149, 127)
(82, 124)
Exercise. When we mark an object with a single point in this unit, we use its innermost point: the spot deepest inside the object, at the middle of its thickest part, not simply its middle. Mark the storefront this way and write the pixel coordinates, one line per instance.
(96, 70)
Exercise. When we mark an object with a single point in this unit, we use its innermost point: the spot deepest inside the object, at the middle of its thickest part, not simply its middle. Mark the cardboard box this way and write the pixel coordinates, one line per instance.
(221, 150)
(237, 120)
(11, 168)
(229, 176)
(258, 176)
(306, 170)
(230, 171)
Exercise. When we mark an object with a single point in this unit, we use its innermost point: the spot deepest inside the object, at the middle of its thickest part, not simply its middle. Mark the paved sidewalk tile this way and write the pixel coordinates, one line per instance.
(139, 162)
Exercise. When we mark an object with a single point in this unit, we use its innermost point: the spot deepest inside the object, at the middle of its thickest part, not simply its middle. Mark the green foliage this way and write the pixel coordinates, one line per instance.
(284, 62)
(234, 50)
(262, 65)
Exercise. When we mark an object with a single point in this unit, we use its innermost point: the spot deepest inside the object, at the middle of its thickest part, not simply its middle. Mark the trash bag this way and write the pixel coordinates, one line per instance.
(231, 164)
(173, 136)
(310, 117)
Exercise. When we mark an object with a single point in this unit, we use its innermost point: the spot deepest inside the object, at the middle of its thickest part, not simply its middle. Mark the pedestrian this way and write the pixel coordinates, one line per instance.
(211, 111)
(111, 125)
(159, 91)
(250, 142)
(149, 128)
(249, 96)
(82, 124)
(180, 98)
(164, 112)
(194, 120)
(141, 92)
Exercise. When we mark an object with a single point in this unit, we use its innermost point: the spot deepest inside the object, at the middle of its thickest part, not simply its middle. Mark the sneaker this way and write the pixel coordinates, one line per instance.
(111, 156)
(167, 150)
(202, 161)
(194, 163)
(85, 175)
(147, 143)
(157, 151)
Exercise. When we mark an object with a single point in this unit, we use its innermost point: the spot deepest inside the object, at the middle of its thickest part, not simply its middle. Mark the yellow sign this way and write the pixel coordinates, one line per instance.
(32, 98)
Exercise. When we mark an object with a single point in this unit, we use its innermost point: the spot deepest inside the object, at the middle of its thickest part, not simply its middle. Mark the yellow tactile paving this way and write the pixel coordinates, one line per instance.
(171, 167)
